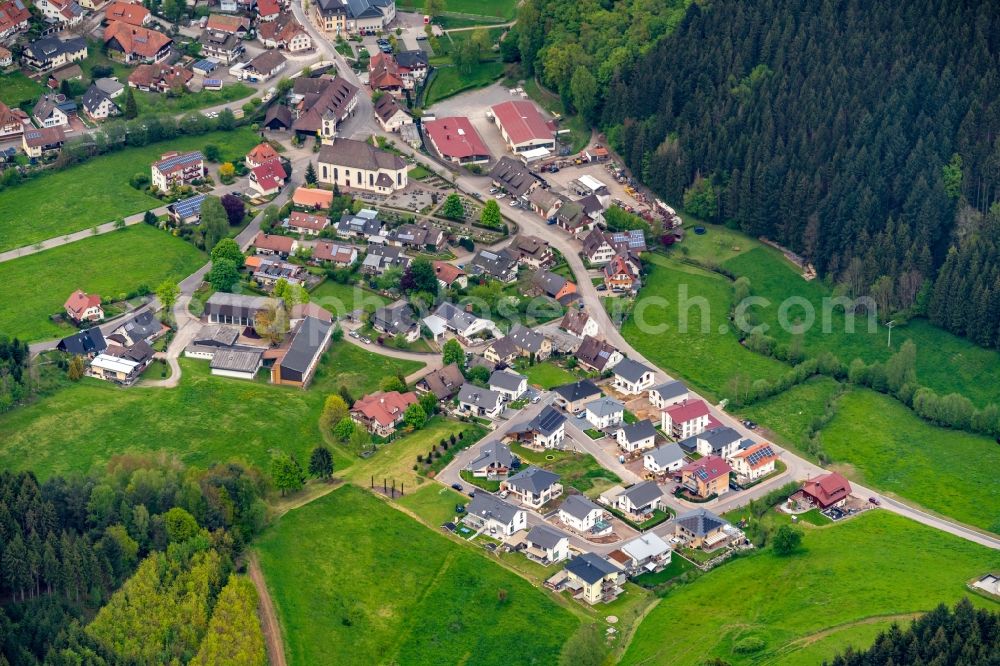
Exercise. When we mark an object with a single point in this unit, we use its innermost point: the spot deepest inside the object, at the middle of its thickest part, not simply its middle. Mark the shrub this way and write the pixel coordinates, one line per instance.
(748, 645)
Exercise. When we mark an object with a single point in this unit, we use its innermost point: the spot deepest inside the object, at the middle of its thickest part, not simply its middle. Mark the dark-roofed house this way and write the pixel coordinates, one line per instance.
(396, 319)
(555, 286)
(494, 516)
(143, 327)
(721, 441)
(493, 461)
(381, 258)
(546, 545)
(278, 117)
(533, 486)
(443, 383)
(594, 579)
(455, 139)
(664, 459)
(413, 66)
(640, 501)
(701, 528)
(573, 396)
(531, 250)
(320, 104)
(597, 248)
(546, 430)
(500, 265)
(514, 177)
(365, 224)
(598, 355)
(223, 308)
(580, 324)
(479, 401)
(297, 366)
(358, 165)
(49, 53)
(224, 46)
(828, 490)
(706, 476)
(37, 142)
(186, 211)
(636, 436)
(416, 236)
(53, 110)
(264, 66)
(632, 377)
(667, 394)
(88, 343)
(390, 115)
(580, 513)
(97, 105)
(509, 384)
(546, 202)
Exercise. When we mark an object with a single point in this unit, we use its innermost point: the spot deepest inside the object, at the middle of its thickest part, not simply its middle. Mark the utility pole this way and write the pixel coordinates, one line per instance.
(890, 324)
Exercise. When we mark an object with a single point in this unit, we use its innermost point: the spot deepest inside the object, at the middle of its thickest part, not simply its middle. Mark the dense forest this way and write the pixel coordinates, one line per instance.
(966, 637)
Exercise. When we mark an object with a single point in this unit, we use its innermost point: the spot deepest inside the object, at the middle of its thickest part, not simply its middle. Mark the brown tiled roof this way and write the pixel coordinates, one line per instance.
(79, 301)
(262, 152)
(386, 107)
(161, 75)
(827, 489)
(383, 72)
(273, 243)
(227, 23)
(446, 272)
(267, 62)
(126, 12)
(307, 221)
(136, 40)
(386, 408)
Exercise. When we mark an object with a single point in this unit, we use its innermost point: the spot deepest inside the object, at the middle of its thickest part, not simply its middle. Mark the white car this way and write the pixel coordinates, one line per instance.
(514, 203)
(501, 195)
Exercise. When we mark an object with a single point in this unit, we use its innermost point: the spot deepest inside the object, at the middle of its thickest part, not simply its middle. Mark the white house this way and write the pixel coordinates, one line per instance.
(546, 545)
(604, 413)
(754, 462)
(646, 553)
(664, 459)
(723, 442)
(639, 501)
(636, 436)
(667, 394)
(547, 430)
(509, 384)
(493, 515)
(685, 419)
(579, 513)
(479, 401)
(533, 486)
(632, 377)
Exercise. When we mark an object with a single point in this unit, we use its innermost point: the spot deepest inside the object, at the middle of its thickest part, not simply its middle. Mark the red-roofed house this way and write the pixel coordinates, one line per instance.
(449, 274)
(304, 223)
(828, 490)
(685, 419)
(380, 414)
(229, 24)
(130, 43)
(335, 253)
(522, 126)
(621, 273)
(312, 198)
(272, 244)
(11, 121)
(268, 10)
(706, 476)
(268, 178)
(81, 306)
(457, 140)
(262, 152)
(126, 12)
(383, 74)
(14, 17)
(754, 462)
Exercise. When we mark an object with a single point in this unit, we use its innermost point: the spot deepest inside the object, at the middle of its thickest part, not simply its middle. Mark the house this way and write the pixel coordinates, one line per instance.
(284, 33)
(576, 219)
(37, 142)
(594, 579)
(500, 265)
(260, 154)
(14, 17)
(685, 419)
(546, 545)
(479, 401)
(381, 258)
(268, 178)
(533, 486)
(639, 501)
(390, 115)
(396, 319)
(237, 363)
(363, 225)
(413, 67)
(465, 325)
(509, 384)
(416, 236)
(266, 272)
(97, 105)
(753, 463)
(631, 241)
(53, 110)
(494, 516)
(450, 274)
(380, 414)
(383, 74)
(706, 476)
(580, 324)
(701, 529)
(264, 66)
(268, 10)
(358, 165)
(312, 198)
(721, 441)
(522, 126)
(667, 394)
(131, 43)
(572, 397)
(228, 24)
(545, 203)
(273, 244)
(604, 412)
(110, 87)
(827, 490)
(143, 327)
(71, 72)
(636, 436)
(514, 177)
(646, 553)
(664, 459)
(519, 342)
(11, 121)
(61, 13)
(456, 140)
(443, 383)
(123, 371)
(298, 365)
(81, 307)
(546, 430)
(531, 250)
(493, 461)
(554, 286)
(89, 343)
(579, 513)
(360, 17)
(598, 355)
(224, 46)
(238, 309)
(308, 225)
(186, 211)
(160, 78)
(175, 169)
(320, 104)
(48, 53)
(597, 249)
(622, 273)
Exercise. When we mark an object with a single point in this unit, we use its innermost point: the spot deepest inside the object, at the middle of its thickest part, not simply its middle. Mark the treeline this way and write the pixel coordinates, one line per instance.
(968, 636)
(14, 381)
(67, 543)
(845, 130)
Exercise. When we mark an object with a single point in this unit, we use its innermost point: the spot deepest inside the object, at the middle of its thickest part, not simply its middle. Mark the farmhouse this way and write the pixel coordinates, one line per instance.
(668, 394)
(753, 463)
(579, 513)
(493, 461)
(636, 436)
(383, 74)
(522, 126)
(298, 365)
(359, 165)
(509, 384)
(546, 430)
(479, 401)
(233, 25)
(319, 105)
(130, 43)
(533, 486)
(380, 414)
(664, 459)
(572, 397)
(685, 419)
(604, 412)
(175, 169)
(264, 66)
(81, 307)
(455, 139)
(493, 515)
(598, 355)
(284, 32)
(706, 476)
(514, 177)
(827, 490)
(546, 545)
(594, 579)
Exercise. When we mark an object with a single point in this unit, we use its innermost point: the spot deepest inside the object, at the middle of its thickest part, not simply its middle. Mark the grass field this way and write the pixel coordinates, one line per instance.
(16, 88)
(36, 286)
(203, 421)
(157, 103)
(83, 196)
(448, 80)
(498, 8)
(341, 299)
(547, 375)
(433, 502)
(815, 602)
(789, 415)
(576, 470)
(374, 586)
(707, 360)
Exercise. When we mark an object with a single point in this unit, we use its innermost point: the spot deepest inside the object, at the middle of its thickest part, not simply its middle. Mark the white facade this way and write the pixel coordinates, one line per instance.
(601, 421)
(584, 524)
(639, 445)
(633, 388)
(684, 429)
(649, 463)
(657, 400)
(554, 440)
(383, 181)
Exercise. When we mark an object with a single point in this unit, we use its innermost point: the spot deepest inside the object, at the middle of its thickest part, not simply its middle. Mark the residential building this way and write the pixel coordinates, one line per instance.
(358, 165)
(14, 17)
(450, 274)
(622, 273)
(631, 241)
(260, 154)
(175, 169)
(604, 412)
(515, 178)
(97, 105)
(237, 363)
(143, 327)
(71, 72)
(264, 66)
(281, 246)
(701, 528)
(546, 203)
(381, 258)
(228, 24)
(522, 126)
(443, 383)
(363, 225)
(493, 461)
(494, 516)
(302, 310)
(238, 309)
(381, 413)
(37, 142)
(307, 224)
(554, 286)
(754, 462)
(11, 121)
(48, 53)
(706, 476)
(598, 355)
(312, 198)
(465, 325)
(509, 384)
(637, 436)
(479, 401)
(685, 419)
(110, 86)
(160, 78)
(268, 11)
(416, 236)
(396, 319)
(456, 140)
(579, 513)
(531, 250)
(268, 178)
(580, 324)
(546, 545)
(721, 441)
(186, 211)
(132, 44)
(646, 553)
(533, 486)
(81, 307)
(266, 272)
(298, 365)
(546, 430)
(597, 249)
(383, 74)
(320, 104)
(827, 490)
(667, 394)
(355, 17)
(88, 343)
(520, 342)
(573, 217)
(500, 265)
(284, 32)
(61, 13)
(572, 397)
(413, 66)
(594, 579)
(53, 110)
(664, 459)
(115, 369)
(640, 501)
(224, 46)
(390, 115)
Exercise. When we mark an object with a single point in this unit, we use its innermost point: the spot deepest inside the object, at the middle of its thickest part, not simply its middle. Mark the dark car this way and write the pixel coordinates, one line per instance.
(457, 486)
(459, 508)
(472, 493)
(873, 500)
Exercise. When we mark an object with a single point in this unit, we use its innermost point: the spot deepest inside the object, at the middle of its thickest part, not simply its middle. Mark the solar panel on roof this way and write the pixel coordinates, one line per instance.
(213, 82)
(189, 207)
(756, 456)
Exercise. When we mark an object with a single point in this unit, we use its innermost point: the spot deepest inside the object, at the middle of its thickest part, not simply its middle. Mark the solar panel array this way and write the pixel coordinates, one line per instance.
(189, 207)
(760, 454)
(184, 158)
(634, 238)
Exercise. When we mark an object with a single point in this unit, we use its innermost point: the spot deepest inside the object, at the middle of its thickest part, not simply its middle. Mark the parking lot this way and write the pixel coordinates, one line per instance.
(560, 180)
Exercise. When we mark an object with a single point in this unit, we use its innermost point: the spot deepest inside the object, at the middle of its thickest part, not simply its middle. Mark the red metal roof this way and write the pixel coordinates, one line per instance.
(708, 468)
(455, 137)
(522, 121)
(686, 411)
(827, 489)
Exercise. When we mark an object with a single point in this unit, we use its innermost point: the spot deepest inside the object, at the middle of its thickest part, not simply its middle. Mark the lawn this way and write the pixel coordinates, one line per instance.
(547, 375)
(887, 446)
(418, 172)
(498, 8)
(16, 88)
(157, 103)
(340, 299)
(374, 586)
(53, 204)
(434, 503)
(448, 80)
(677, 566)
(113, 264)
(205, 420)
(576, 470)
(480, 482)
(864, 568)
(789, 415)
(675, 304)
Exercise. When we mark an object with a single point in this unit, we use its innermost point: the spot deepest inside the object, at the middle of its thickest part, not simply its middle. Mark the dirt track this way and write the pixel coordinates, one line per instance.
(268, 618)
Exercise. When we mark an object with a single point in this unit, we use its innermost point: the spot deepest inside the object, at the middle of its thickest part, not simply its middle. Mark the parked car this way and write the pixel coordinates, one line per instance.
(535, 400)
(501, 195)
(514, 203)
(494, 190)
(873, 500)
(472, 493)
(457, 486)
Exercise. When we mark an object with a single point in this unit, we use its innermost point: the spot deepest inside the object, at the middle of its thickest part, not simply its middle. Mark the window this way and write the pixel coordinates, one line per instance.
(357, 177)
(334, 173)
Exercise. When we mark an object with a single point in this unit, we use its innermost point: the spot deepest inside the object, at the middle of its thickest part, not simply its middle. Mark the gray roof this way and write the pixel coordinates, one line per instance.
(142, 325)
(533, 479)
(412, 59)
(631, 370)
(514, 176)
(394, 319)
(509, 381)
(501, 265)
(481, 397)
(268, 61)
(236, 360)
(109, 86)
(545, 423)
(455, 317)
(485, 505)
(643, 493)
(221, 299)
(492, 454)
(672, 389)
(216, 335)
(545, 537)
(90, 341)
(590, 568)
(504, 348)
(548, 282)
(605, 406)
(578, 506)
(700, 521)
(48, 48)
(638, 431)
(526, 339)
(720, 437)
(94, 97)
(306, 343)
(667, 454)
(580, 390)
(359, 155)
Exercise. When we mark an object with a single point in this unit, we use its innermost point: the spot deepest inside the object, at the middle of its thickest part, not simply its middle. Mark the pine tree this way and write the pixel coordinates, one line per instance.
(131, 108)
